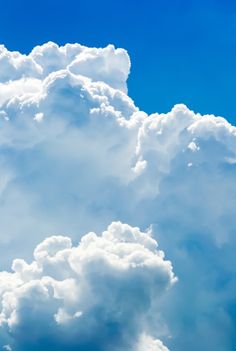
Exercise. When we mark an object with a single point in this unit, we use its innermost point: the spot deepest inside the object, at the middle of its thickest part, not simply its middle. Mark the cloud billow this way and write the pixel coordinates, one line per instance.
(97, 295)
(76, 154)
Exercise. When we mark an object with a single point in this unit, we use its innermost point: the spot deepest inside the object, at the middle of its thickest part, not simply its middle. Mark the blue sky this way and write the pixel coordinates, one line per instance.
(181, 51)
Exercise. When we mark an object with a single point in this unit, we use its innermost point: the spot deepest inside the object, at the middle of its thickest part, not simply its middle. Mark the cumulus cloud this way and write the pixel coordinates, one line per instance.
(96, 295)
(109, 65)
(76, 154)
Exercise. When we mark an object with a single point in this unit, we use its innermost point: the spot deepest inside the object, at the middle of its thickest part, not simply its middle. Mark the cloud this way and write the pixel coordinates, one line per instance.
(76, 154)
(49, 142)
(109, 65)
(147, 343)
(190, 200)
(97, 295)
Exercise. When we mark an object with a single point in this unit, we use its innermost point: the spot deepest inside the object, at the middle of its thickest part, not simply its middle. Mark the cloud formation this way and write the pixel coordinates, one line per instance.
(97, 295)
(109, 65)
(76, 154)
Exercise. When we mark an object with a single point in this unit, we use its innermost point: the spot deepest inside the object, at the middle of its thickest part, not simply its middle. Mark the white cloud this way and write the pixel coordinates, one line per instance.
(77, 154)
(96, 295)
(146, 343)
(109, 65)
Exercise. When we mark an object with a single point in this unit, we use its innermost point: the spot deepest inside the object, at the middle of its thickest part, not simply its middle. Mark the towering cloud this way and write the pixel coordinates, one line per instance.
(76, 154)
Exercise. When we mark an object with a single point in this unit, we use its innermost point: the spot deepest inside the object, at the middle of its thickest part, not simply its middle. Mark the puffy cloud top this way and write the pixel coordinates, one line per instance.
(97, 295)
(109, 65)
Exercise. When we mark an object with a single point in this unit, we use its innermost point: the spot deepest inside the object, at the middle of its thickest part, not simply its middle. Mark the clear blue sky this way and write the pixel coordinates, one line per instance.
(181, 51)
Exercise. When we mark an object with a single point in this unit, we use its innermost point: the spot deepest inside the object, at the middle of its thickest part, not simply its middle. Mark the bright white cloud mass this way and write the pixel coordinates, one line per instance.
(96, 296)
(77, 156)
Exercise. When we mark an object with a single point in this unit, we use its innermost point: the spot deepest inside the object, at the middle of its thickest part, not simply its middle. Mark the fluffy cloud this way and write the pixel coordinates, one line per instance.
(97, 295)
(48, 150)
(77, 154)
(108, 65)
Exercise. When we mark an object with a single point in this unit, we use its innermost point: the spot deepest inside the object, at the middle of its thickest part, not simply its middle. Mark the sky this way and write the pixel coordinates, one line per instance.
(182, 51)
(117, 176)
